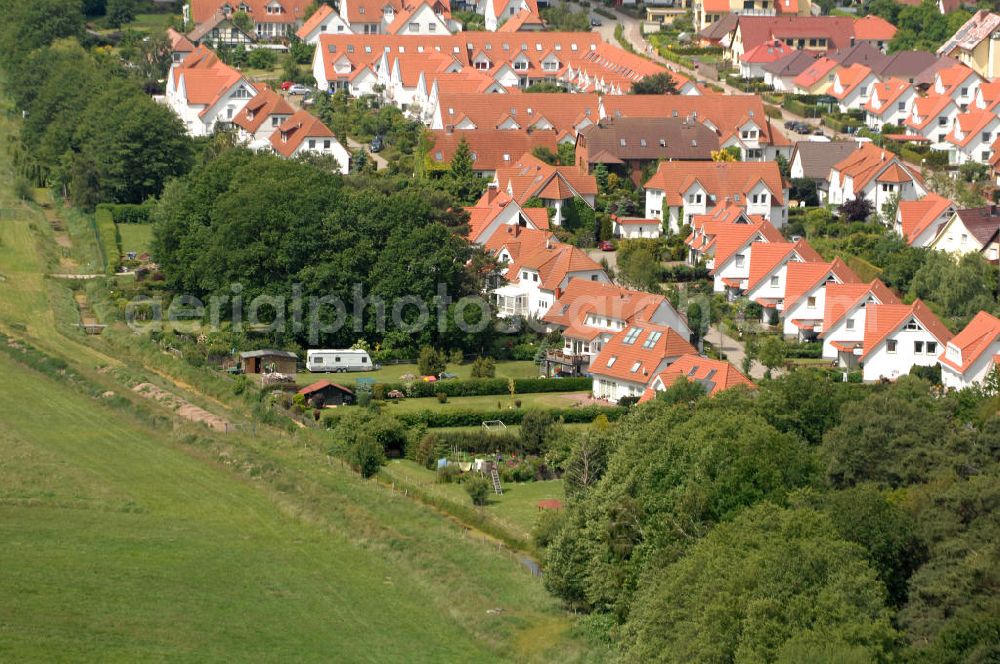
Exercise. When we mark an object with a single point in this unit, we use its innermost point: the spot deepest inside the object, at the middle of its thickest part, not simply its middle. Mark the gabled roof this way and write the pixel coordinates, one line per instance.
(952, 77)
(636, 352)
(209, 24)
(723, 180)
(817, 158)
(650, 139)
(733, 237)
(178, 42)
(792, 64)
(531, 177)
(260, 108)
(487, 111)
(519, 241)
(977, 337)
(491, 149)
(886, 94)
(524, 17)
(815, 73)
(870, 162)
(314, 21)
(873, 28)
(206, 78)
(583, 297)
(766, 257)
(915, 217)
(982, 222)
(296, 129)
(980, 26)
(554, 262)
(802, 278)
(768, 51)
(881, 320)
(927, 108)
(714, 375)
(491, 204)
(292, 11)
(322, 384)
(971, 124)
(837, 30)
(849, 79)
(841, 298)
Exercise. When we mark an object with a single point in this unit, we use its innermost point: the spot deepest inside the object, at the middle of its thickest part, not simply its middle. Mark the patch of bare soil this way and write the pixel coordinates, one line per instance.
(182, 407)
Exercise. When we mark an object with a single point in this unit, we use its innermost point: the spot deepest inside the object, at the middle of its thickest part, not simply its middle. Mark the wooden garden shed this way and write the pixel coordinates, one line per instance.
(268, 361)
(324, 393)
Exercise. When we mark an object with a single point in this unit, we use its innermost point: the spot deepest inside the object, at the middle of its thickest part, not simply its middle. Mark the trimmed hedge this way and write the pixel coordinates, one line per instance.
(107, 238)
(479, 387)
(472, 418)
(807, 350)
(128, 213)
(438, 444)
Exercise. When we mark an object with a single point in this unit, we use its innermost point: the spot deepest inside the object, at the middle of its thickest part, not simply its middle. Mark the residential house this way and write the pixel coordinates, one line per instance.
(805, 295)
(709, 12)
(180, 46)
(220, 30)
(973, 353)
(523, 21)
(844, 311)
(973, 230)
(636, 228)
(752, 62)
(768, 276)
(897, 338)
(852, 86)
(304, 133)
(564, 114)
(498, 12)
(971, 137)
(261, 117)
(817, 78)
(815, 159)
(713, 375)
(418, 19)
(633, 357)
(205, 92)
(589, 313)
(272, 19)
(555, 186)
(495, 211)
(875, 174)
(974, 46)
(889, 104)
(739, 120)
(781, 73)
(932, 117)
(492, 149)
(679, 190)
(958, 82)
(732, 254)
(324, 20)
(987, 96)
(812, 33)
(537, 268)
(918, 221)
(706, 227)
(627, 146)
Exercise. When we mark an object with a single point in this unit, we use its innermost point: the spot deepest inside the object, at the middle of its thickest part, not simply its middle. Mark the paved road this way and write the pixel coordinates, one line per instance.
(734, 351)
(379, 160)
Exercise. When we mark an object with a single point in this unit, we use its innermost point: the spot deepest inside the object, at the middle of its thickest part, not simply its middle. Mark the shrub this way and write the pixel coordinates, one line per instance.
(548, 525)
(262, 58)
(431, 361)
(448, 474)
(366, 456)
(536, 428)
(442, 397)
(107, 235)
(456, 356)
(484, 367)
(466, 418)
(478, 489)
(129, 213)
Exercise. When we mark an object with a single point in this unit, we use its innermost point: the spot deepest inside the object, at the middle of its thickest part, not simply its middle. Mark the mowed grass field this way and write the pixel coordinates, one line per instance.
(516, 509)
(393, 372)
(118, 548)
(135, 237)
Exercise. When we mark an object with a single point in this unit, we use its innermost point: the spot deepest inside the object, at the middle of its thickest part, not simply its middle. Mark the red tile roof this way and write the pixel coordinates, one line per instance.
(927, 109)
(491, 148)
(977, 337)
(206, 78)
(716, 375)
(314, 21)
(970, 123)
(841, 298)
(519, 241)
(768, 51)
(321, 384)
(296, 129)
(815, 73)
(292, 11)
(260, 108)
(870, 161)
(802, 278)
(639, 360)
(491, 204)
(886, 94)
(583, 297)
(531, 177)
(487, 111)
(766, 257)
(730, 239)
(916, 216)
(730, 180)
(178, 42)
(881, 320)
(849, 78)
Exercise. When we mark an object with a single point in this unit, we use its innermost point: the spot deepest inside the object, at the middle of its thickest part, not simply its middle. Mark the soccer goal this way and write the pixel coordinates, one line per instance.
(494, 426)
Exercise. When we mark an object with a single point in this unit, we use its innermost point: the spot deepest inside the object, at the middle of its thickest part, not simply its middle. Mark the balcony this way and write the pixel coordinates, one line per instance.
(560, 361)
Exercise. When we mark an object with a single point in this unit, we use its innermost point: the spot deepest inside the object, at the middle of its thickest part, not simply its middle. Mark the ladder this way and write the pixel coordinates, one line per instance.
(495, 476)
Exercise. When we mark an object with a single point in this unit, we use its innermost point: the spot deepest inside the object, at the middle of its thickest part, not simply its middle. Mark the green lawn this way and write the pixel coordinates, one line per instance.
(149, 22)
(516, 510)
(534, 400)
(135, 237)
(391, 373)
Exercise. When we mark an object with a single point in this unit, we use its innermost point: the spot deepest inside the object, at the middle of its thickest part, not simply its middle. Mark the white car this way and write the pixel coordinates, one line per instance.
(298, 89)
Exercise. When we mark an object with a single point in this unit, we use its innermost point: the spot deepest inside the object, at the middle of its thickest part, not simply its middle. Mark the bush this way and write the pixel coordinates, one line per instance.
(129, 213)
(366, 456)
(487, 387)
(431, 361)
(107, 236)
(548, 525)
(262, 58)
(438, 444)
(448, 474)
(536, 428)
(475, 418)
(456, 356)
(478, 489)
(442, 397)
(484, 367)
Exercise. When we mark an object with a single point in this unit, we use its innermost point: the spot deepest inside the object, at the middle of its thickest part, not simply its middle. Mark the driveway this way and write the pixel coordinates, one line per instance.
(379, 160)
(610, 256)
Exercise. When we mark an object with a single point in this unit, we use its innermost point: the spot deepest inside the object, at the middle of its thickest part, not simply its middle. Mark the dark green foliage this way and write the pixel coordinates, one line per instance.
(563, 18)
(431, 361)
(484, 367)
(805, 402)
(957, 289)
(474, 418)
(262, 58)
(119, 12)
(682, 391)
(479, 489)
(536, 430)
(366, 456)
(484, 386)
(461, 180)
(586, 464)
(772, 585)
(657, 84)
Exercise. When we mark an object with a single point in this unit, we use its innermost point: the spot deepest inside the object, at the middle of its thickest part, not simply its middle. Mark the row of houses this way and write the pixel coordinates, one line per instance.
(208, 94)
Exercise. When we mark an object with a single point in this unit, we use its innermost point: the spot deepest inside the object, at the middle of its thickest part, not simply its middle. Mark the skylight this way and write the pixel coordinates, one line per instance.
(611, 360)
(635, 367)
(632, 335)
(651, 340)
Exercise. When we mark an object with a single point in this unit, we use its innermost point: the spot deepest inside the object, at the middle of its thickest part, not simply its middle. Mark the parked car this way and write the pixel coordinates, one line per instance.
(286, 84)
(605, 245)
(298, 89)
(803, 128)
(376, 145)
(595, 23)
(791, 124)
(447, 375)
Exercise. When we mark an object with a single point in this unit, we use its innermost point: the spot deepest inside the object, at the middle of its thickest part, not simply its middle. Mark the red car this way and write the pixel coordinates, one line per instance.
(287, 84)
(605, 245)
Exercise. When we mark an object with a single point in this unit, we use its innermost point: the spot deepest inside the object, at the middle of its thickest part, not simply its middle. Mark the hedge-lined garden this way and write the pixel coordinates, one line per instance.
(478, 387)
(434, 419)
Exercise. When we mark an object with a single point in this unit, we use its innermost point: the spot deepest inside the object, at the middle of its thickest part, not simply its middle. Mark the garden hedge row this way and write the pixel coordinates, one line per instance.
(107, 237)
(486, 387)
(437, 444)
(472, 418)
(128, 213)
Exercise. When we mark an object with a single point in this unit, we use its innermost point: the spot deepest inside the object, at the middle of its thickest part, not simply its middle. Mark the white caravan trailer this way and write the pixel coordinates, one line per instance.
(336, 361)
